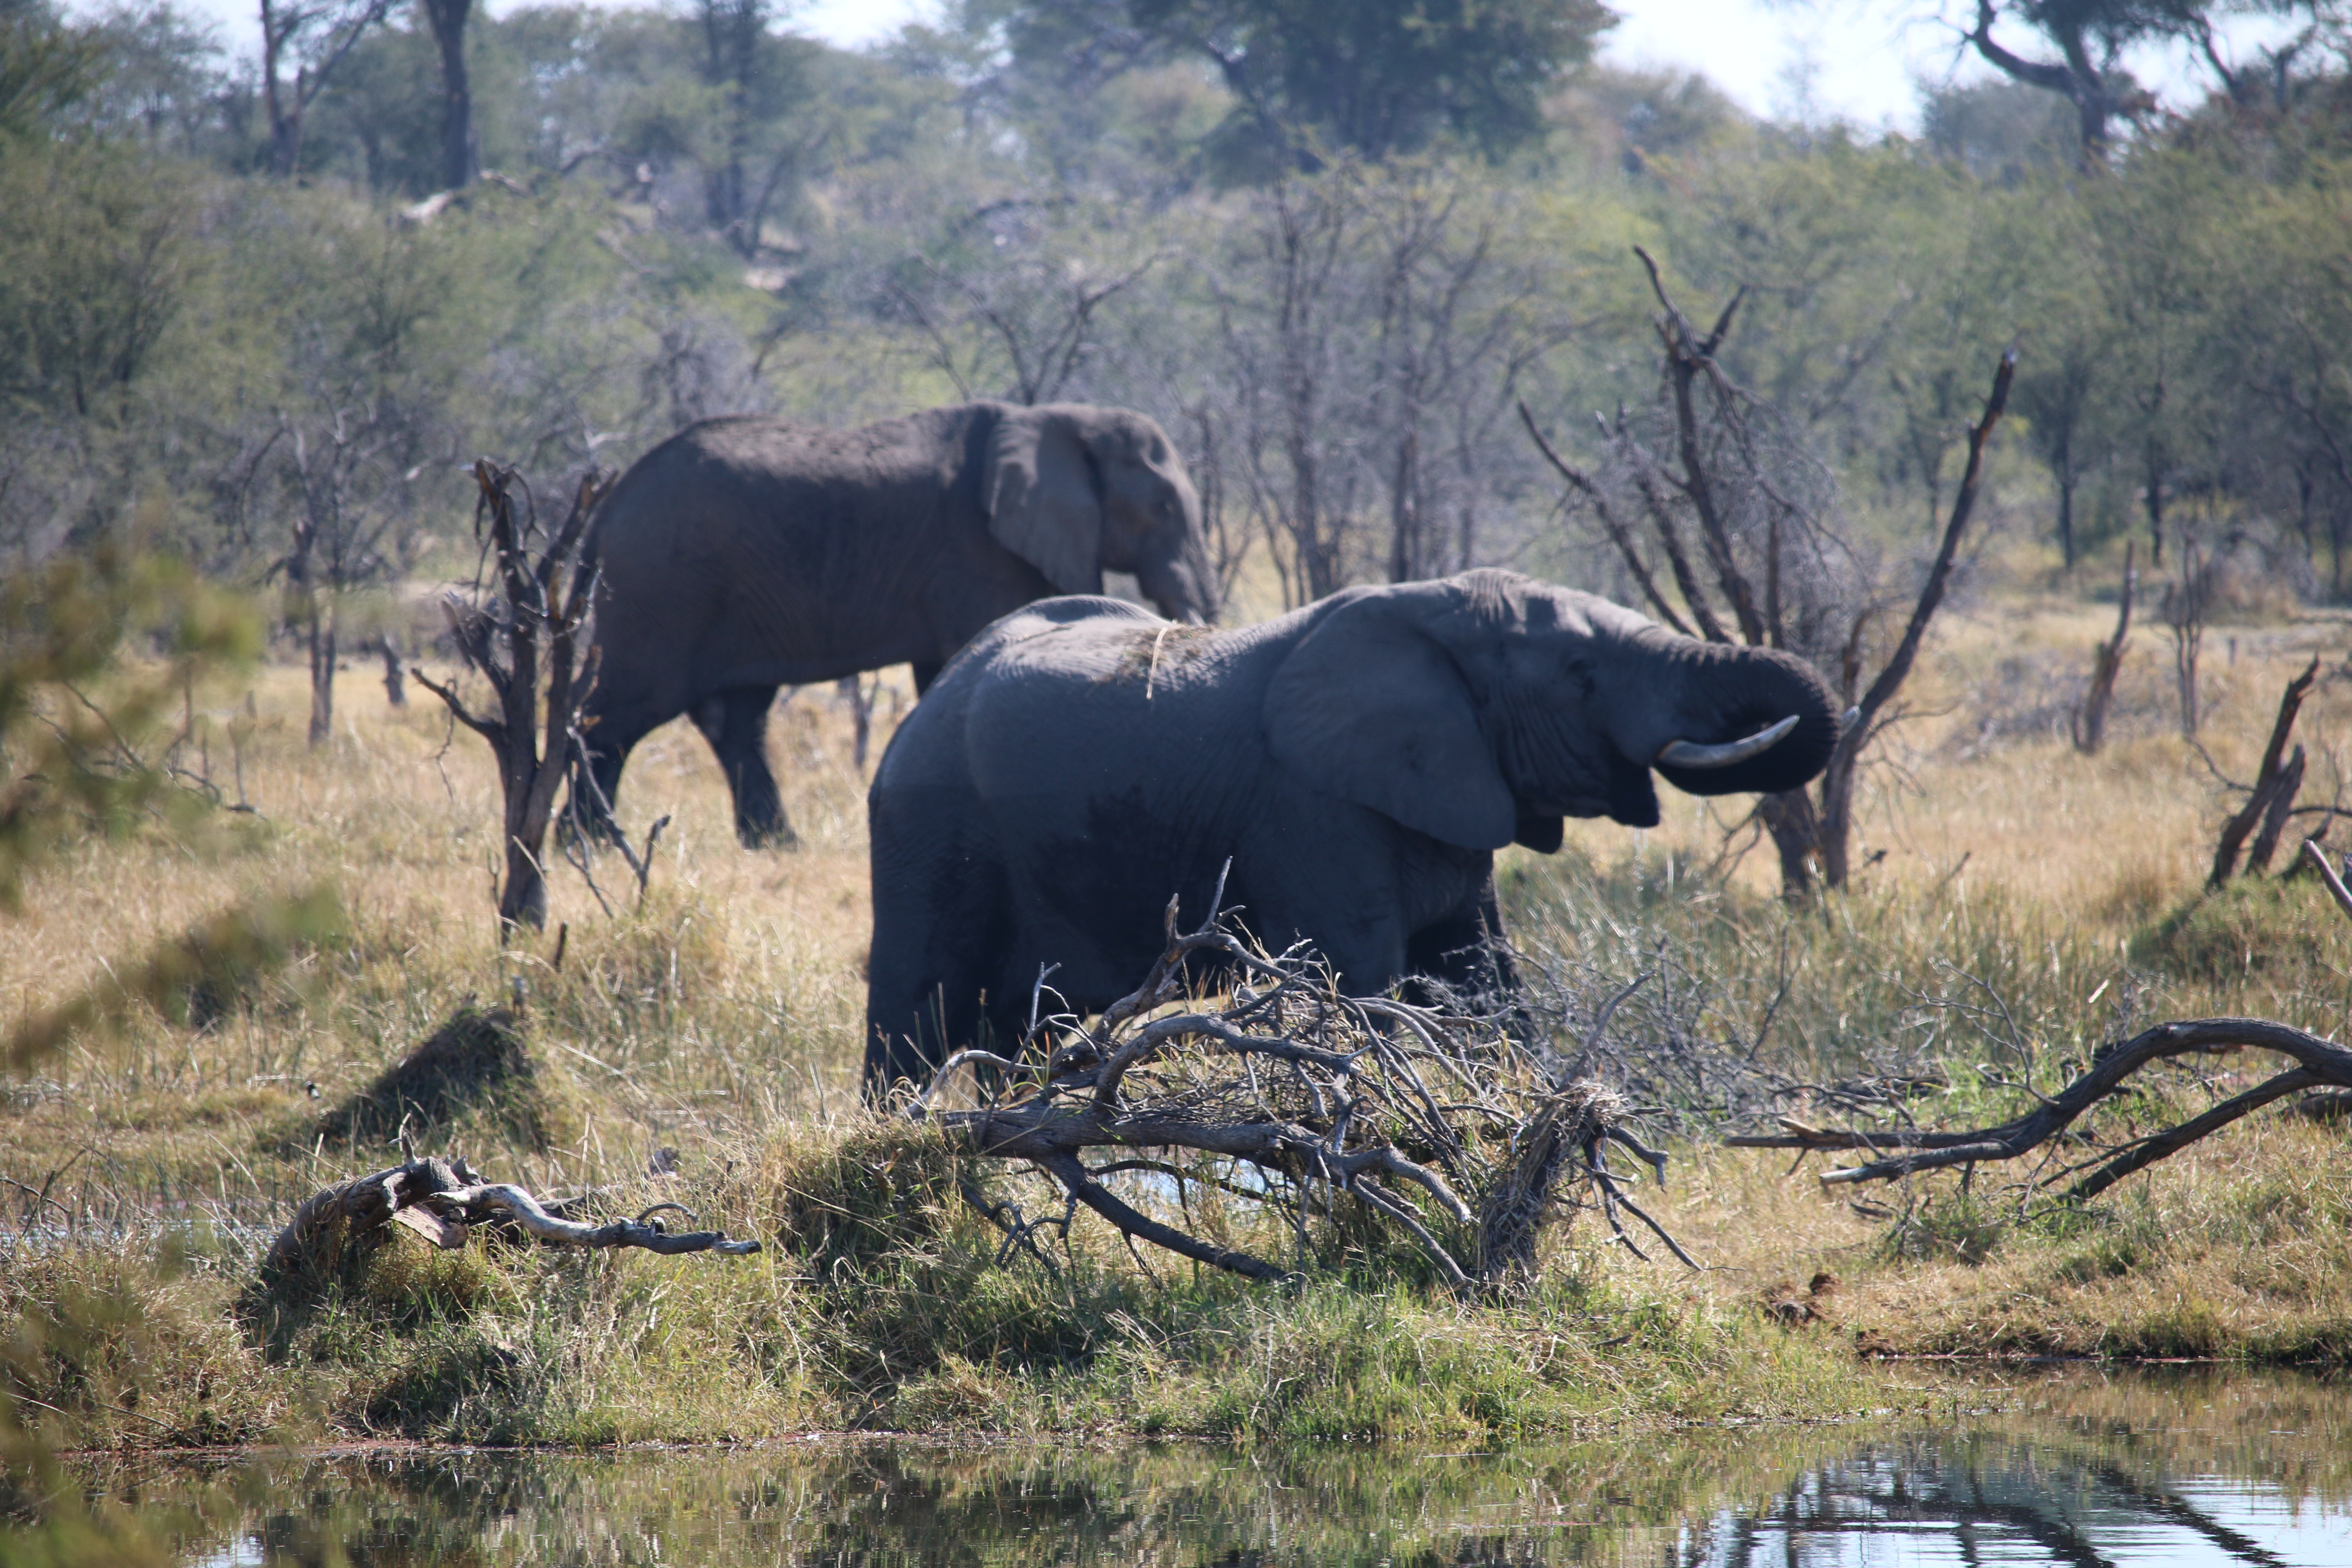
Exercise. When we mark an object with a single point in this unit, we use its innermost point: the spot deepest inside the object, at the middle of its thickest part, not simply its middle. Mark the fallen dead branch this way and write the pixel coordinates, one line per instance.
(2317, 1063)
(1435, 1126)
(444, 1201)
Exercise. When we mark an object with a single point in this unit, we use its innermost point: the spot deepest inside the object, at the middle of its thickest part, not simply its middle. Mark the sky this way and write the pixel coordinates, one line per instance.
(1859, 60)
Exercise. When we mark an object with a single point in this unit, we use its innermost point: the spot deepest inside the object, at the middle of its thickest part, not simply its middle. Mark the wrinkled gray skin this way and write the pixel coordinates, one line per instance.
(747, 554)
(1360, 761)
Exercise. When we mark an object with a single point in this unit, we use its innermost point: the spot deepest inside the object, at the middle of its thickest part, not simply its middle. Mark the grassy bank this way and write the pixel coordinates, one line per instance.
(879, 1306)
(2028, 905)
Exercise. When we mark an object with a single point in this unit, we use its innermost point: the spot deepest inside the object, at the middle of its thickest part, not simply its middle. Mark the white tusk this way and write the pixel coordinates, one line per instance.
(1852, 717)
(1691, 754)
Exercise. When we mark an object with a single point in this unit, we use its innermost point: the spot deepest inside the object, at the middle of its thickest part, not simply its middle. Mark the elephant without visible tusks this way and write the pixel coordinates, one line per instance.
(1359, 760)
(746, 553)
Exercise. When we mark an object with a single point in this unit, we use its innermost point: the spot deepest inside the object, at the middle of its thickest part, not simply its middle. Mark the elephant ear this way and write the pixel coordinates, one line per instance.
(1039, 489)
(1370, 708)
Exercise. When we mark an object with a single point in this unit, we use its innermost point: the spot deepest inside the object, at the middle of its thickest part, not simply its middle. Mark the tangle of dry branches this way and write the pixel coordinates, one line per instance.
(1435, 1126)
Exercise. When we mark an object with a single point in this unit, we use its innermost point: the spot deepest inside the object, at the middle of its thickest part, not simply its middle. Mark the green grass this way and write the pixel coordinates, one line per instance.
(878, 1306)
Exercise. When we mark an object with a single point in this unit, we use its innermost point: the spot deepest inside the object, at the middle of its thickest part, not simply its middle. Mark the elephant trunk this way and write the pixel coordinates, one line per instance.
(1718, 696)
(1181, 582)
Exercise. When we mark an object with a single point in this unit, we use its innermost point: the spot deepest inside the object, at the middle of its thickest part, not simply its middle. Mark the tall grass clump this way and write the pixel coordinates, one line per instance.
(1888, 993)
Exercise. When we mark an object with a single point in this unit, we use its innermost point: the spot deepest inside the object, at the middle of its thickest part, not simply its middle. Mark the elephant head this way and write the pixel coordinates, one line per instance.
(1075, 490)
(1484, 709)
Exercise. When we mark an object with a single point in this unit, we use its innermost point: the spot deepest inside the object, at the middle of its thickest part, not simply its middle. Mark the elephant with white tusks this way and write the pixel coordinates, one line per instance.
(746, 553)
(1360, 761)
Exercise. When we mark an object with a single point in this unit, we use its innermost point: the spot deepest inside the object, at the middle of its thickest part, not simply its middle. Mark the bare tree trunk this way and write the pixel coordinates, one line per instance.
(861, 717)
(2066, 505)
(2091, 723)
(2335, 533)
(336, 26)
(1836, 834)
(1405, 551)
(284, 105)
(461, 151)
(2184, 617)
(395, 688)
(2274, 814)
(1795, 830)
(322, 670)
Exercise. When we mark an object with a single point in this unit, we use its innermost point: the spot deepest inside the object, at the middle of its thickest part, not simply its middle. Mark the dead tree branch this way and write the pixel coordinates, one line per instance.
(2335, 884)
(444, 1201)
(1619, 534)
(1295, 1088)
(2317, 1062)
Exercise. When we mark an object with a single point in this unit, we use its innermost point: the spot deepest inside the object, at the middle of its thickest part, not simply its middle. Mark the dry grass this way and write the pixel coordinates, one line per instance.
(730, 999)
(2238, 1249)
(722, 1019)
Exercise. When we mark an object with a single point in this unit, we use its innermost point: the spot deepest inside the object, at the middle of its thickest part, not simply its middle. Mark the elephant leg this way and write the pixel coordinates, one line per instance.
(941, 933)
(1463, 952)
(735, 722)
(925, 674)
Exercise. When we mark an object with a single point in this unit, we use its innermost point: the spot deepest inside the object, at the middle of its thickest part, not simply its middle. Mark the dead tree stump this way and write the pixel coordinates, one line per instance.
(2090, 722)
(2271, 797)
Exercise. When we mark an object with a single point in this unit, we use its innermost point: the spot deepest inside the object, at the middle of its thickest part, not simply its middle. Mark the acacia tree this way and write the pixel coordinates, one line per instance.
(757, 140)
(1376, 76)
(2162, 239)
(1751, 557)
(351, 438)
(2284, 337)
(2086, 39)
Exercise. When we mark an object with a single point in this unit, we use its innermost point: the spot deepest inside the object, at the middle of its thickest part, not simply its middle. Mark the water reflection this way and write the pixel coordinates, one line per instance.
(2082, 1469)
(1966, 1501)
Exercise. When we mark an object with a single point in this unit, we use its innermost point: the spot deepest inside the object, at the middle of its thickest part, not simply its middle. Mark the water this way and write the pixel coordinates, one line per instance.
(2082, 1468)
